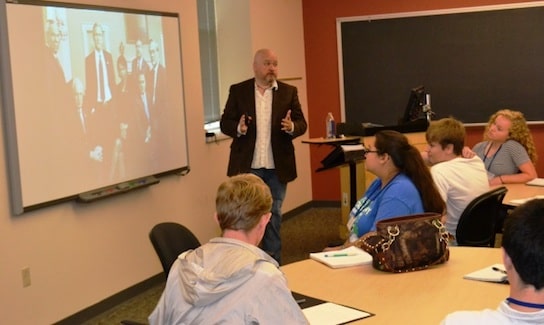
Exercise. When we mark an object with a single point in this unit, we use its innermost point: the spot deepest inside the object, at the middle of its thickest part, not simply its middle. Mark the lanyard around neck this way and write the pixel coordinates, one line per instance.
(374, 196)
(524, 303)
(488, 167)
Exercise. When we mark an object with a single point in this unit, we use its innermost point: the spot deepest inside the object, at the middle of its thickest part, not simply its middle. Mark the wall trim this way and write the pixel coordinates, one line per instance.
(122, 296)
(112, 301)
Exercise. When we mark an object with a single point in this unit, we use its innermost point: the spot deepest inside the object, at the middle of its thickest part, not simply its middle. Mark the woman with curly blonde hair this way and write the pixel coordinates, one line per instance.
(508, 150)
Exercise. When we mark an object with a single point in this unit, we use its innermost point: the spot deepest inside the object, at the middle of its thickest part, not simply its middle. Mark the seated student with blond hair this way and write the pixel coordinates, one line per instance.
(508, 150)
(523, 258)
(229, 280)
(459, 180)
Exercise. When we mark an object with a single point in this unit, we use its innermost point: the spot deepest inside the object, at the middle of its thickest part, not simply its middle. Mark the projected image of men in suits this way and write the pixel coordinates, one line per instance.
(157, 92)
(101, 86)
(138, 64)
(54, 93)
(55, 141)
(99, 74)
(54, 71)
(57, 89)
(143, 112)
(157, 76)
(81, 132)
(124, 92)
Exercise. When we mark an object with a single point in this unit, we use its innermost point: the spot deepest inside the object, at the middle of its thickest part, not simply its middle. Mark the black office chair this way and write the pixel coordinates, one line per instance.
(476, 225)
(169, 240)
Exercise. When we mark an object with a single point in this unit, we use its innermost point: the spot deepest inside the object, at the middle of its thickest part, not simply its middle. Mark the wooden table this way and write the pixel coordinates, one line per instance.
(521, 191)
(421, 297)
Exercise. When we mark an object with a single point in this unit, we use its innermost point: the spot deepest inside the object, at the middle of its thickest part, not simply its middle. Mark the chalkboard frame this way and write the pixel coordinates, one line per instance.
(375, 83)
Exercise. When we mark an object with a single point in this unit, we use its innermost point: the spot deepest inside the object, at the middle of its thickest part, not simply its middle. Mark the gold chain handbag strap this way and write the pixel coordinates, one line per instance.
(364, 244)
(393, 232)
(441, 230)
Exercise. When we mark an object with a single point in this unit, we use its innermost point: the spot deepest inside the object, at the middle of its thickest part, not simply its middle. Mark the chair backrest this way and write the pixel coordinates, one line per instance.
(476, 225)
(170, 239)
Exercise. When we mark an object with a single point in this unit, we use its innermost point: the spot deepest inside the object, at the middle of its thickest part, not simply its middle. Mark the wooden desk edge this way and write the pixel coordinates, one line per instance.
(331, 141)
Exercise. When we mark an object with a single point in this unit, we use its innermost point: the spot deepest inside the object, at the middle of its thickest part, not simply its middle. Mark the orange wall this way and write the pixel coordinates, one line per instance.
(81, 254)
(322, 69)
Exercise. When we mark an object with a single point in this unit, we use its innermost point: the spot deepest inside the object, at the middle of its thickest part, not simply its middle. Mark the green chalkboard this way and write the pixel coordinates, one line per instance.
(471, 63)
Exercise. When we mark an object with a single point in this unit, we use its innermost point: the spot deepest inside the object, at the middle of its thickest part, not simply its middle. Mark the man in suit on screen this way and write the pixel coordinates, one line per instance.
(100, 87)
(99, 73)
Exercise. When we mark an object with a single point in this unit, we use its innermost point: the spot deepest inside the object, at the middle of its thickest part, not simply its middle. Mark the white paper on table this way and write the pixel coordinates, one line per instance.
(330, 313)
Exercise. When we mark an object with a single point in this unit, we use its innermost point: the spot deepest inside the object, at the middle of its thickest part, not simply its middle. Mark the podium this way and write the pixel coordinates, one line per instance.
(341, 158)
(342, 155)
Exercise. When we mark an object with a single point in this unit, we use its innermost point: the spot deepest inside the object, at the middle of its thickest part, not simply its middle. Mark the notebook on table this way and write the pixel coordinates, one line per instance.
(351, 256)
(319, 311)
(536, 182)
(492, 273)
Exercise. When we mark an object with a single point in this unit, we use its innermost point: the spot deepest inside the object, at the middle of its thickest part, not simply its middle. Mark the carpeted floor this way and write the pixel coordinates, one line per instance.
(309, 231)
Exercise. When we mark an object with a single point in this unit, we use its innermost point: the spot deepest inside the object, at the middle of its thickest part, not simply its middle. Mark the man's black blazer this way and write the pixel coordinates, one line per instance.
(241, 101)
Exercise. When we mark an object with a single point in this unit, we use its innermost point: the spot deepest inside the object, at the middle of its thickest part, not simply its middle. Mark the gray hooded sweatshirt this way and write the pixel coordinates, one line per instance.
(226, 281)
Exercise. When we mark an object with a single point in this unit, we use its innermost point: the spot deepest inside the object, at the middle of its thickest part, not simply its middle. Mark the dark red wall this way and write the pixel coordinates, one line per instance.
(322, 78)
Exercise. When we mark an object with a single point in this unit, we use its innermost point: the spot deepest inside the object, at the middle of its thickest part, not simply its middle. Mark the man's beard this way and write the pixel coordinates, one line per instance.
(270, 78)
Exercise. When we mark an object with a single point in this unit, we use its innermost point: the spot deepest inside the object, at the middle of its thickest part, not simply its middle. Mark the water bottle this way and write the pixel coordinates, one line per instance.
(331, 127)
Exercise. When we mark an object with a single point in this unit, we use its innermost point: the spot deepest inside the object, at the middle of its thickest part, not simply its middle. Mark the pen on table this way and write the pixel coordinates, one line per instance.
(300, 301)
(339, 255)
(494, 268)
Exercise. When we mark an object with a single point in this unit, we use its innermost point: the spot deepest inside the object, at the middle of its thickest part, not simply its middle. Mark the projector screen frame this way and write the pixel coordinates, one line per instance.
(9, 116)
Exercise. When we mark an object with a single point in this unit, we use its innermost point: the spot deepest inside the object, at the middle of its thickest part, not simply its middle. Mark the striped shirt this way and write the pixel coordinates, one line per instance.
(506, 160)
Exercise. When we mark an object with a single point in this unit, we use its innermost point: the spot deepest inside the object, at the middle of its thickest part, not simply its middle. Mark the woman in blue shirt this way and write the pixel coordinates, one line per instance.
(403, 185)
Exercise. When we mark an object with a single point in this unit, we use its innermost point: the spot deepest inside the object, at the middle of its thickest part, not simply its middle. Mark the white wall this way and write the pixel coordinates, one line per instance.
(234, 52)
(81, 254)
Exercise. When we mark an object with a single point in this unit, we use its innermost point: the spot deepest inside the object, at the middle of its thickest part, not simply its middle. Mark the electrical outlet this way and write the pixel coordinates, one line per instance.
(210, 137)
(26, 277)
(345, 199)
